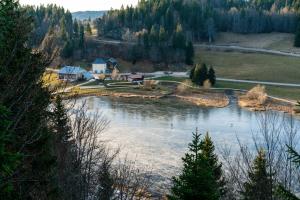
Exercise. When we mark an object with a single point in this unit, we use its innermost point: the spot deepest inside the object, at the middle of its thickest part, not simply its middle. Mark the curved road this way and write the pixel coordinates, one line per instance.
(221, 47)
(185, 75)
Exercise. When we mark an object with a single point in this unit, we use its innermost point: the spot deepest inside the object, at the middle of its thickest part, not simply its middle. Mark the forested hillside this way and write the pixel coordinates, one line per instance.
(166, 27)
(200, 19)
(54, 31)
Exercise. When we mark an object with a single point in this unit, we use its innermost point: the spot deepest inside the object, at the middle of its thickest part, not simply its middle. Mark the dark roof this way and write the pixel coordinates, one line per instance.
(99, 61)
(71, 70)
(112, 60)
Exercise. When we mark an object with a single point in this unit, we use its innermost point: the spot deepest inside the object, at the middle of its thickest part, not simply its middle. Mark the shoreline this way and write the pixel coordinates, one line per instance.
(206, 98)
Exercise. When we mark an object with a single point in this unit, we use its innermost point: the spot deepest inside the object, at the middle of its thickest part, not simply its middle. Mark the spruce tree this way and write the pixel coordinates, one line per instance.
(196, 180)
(207, 150)
(203, 76)
(76, 29)
(189, 54)
(88, 29)
(212, 76)
(196, 74)
(297, 36)
(192, 72)
(9, 159)
(65, 151)
(258, 186)
(23, 92)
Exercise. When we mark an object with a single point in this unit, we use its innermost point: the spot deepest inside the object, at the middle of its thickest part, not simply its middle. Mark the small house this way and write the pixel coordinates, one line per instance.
(71, 73)
(99, 66)
(136, 78)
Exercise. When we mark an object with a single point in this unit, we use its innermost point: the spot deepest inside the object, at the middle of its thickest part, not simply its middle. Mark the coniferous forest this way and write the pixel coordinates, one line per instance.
(50, 149)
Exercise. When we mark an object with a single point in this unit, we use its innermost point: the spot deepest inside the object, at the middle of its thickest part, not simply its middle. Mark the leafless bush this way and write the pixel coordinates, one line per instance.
(89, 149)
(258, 93)
(207, 84)
(150, 84)
(184, 86)
(100, 177)
(273, 134)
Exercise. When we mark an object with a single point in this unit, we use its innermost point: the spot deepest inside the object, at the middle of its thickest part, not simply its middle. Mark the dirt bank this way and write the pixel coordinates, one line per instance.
(203, 98)
(270, 104)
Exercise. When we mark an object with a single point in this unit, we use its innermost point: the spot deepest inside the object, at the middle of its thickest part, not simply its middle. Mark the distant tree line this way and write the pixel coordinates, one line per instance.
(55, 32)
(199, 20)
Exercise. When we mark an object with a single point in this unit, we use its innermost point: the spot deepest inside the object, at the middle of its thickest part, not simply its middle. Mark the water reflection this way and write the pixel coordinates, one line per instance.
(156, 134)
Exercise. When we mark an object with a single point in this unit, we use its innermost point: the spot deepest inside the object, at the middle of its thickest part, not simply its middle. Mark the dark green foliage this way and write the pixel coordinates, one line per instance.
(200, 74)
(212, 76)
(61, 124)
(28, 102)
(68, 49)
(81, 36)
(192, 72)
(208, 150)
(297, 36)
(259, 185)
(9, 159)
(88, 29)
(189, 54)
(76, 28)
(106, 181)
(179, 40)
(53, 28)
(197, 179)
(68, 172)
(285, 194)
(200, 19)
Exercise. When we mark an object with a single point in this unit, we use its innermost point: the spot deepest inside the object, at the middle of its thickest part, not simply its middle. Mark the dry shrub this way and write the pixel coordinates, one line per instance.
(184, 86)
(150, 84)
(101, 76)
(115, 74)
(207, 84)
(258, 93)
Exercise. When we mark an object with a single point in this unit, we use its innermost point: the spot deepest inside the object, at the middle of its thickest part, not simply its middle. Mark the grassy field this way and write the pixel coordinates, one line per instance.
(252, 66)
(275, 41)
(282, 92)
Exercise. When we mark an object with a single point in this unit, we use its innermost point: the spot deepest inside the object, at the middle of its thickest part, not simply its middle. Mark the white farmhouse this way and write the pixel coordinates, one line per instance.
(71, 73)
(99, 66)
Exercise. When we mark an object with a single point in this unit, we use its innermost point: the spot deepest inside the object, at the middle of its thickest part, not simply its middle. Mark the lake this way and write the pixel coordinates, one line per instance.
(156, 135)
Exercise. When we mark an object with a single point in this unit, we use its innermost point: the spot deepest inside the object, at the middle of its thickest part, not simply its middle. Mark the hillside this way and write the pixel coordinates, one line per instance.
(274, 41)
(84, 15)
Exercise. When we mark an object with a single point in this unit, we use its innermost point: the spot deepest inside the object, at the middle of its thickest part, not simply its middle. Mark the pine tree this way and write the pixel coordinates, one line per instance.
(195, 73)
(202, 74)
(63, 31)
(76, 29)
(297, 36)
(65, 150)
(192, 72)
(9, 159)
(207, 150)
(189, 54)
(88, 29)
(162, 35)
(28, 100)
(61, 124)
(179, 40)
(81, 36)
(258, 186)
(196, 180)
(212, 76)
(67, 51)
